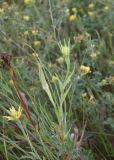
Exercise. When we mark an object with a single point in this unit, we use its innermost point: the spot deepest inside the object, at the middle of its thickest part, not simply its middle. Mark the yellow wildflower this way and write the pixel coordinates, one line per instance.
(11, 82)
(37, 43)
(34, 32)
(84, 94)
(1, 10)
(54, 79)
(34, 55)
(26, 18)
(106, 8)
(72, 17)
(91, 14)
(93, 56)
(50, 65)
(13, 113)
(28, 1)
(92, 46)
(91, 5)
(26, 33)
(65, 49)
(74, 10)
(85, 69)
(60, 60)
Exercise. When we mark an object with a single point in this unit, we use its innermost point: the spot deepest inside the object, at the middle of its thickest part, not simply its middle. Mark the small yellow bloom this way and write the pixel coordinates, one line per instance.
(26, 18)
(28, 1)
(91, 14)
(34, 55)
(37, 43)
(26, 33)
(1, 10)
(50, 65)
(106, 8)
(11, 82)
(93, 56)
(92, 46)
(34, 32)
(91, 5)
(85, 69)
(60, 60)
(72, 18)
(13, 114)
(74, 10)
(84, 94)
(54, 79)
(65, 49)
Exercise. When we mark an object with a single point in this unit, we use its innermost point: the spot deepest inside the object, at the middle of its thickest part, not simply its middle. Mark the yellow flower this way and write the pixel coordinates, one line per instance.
(34, 55)
(54, 79)
(91, 14)
(85, 69)
(11, 82)
(74, 10)
(26, 18)
(37, 43)
(26, 33)
(13, 114)
(60, 60)
(34, 32)
(84, 94)
(65, 49)
(72, 17)
(1, 10)
(93, 56)
(50, 65)
(91, 5)
(28, 1)
(106, 8)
